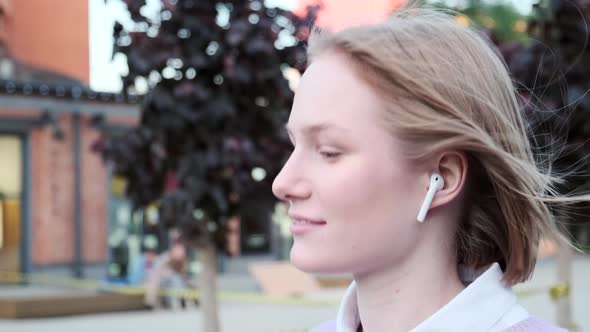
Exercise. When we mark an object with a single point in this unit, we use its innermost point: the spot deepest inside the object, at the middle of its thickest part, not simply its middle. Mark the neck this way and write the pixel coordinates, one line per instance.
(399, 298)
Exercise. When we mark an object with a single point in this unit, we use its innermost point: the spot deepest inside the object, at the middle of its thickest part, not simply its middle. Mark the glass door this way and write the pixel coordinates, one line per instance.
(11, 170)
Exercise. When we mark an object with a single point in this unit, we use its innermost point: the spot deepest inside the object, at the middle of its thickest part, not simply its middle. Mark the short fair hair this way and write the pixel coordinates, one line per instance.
(445, 87)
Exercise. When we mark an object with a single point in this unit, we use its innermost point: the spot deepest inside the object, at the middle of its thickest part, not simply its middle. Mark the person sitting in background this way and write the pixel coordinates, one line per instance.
(169, 272)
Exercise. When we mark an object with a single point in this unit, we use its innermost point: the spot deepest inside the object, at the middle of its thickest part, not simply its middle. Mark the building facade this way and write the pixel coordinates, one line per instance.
(54, 189)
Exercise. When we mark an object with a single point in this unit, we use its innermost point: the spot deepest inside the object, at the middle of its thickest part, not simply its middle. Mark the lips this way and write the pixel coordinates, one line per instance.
(307, 222)
(302, 225)
(302, 219)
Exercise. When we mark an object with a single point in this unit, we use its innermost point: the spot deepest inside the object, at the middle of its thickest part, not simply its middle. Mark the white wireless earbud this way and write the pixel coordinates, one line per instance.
(436, 183)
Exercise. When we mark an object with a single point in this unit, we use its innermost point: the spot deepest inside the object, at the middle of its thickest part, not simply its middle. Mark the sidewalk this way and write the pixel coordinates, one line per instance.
(257, 317)
(546, 274)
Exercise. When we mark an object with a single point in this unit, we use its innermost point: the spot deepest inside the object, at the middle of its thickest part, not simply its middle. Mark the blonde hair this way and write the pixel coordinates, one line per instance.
(444, 88)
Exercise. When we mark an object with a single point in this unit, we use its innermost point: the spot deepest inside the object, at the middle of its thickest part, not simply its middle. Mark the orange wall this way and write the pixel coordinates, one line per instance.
(52, 34)
(94, 196)
(53, 200)
(341, 14)
(52, 195)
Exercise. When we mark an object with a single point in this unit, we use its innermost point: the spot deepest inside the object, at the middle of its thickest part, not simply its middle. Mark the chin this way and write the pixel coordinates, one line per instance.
(309, 261)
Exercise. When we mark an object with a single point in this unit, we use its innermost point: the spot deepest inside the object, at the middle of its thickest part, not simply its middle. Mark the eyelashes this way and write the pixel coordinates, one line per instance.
(326, 154)
(330, 155)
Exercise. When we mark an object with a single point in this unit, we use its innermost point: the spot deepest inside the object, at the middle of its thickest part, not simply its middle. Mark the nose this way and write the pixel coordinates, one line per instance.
(290, 184)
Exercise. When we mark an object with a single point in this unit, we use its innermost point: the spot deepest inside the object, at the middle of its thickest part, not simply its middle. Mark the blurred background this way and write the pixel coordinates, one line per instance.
(138, 141)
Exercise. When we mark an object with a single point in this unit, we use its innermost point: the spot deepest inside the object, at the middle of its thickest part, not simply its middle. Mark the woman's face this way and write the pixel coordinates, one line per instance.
(354, 199)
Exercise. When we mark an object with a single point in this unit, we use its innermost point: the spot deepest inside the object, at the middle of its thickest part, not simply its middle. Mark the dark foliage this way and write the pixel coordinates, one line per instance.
(215, 111)
(554, 70)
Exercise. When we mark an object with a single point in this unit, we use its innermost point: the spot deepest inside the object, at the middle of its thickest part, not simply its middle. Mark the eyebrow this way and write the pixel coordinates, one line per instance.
(314, 129)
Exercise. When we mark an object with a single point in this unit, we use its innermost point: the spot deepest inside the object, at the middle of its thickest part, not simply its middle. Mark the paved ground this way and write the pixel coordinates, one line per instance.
(256, 317)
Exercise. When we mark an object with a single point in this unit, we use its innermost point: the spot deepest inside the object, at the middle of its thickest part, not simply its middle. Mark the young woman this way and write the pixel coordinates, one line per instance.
(412, 170)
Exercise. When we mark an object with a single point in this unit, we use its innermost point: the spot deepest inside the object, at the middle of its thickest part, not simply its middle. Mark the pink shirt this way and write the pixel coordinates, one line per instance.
(484, 305)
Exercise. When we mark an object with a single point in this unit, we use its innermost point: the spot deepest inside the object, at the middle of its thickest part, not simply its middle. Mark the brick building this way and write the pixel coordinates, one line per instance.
(54, 190)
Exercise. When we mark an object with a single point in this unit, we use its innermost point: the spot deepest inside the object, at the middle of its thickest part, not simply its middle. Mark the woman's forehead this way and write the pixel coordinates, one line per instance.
(332, 95)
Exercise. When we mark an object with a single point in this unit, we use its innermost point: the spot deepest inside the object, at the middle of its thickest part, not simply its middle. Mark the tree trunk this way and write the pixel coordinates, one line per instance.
(208, 289)
(563, 302)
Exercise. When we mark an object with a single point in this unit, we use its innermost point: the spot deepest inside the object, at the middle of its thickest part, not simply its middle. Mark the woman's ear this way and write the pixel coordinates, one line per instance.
(453, 168)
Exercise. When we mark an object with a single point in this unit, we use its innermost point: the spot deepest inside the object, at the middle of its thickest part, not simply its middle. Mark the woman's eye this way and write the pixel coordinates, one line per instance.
(329, 154)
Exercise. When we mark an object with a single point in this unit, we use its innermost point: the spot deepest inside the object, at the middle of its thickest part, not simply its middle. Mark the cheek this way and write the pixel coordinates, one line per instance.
(370, 212)
(381, 206)
(367, 193)
(375, 217)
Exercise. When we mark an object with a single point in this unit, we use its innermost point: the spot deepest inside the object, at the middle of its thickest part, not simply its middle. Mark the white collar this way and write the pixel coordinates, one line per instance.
(481, 306)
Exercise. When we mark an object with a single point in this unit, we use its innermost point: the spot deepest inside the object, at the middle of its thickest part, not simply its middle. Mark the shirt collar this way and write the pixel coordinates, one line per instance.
(477, 308)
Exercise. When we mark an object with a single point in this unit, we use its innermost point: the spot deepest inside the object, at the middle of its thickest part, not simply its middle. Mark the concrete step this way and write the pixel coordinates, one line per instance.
(55, 305)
